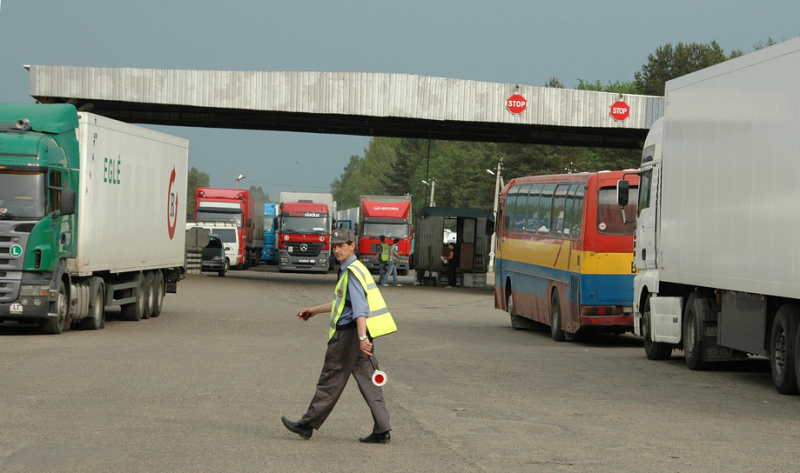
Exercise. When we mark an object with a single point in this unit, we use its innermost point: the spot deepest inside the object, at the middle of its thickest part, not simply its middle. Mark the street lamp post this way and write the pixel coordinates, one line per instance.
(239, 179)
(496, 223)
(433, 186)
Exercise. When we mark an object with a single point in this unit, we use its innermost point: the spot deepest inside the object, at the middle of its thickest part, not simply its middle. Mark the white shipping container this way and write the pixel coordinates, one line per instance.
(131, 211)
(731, 175)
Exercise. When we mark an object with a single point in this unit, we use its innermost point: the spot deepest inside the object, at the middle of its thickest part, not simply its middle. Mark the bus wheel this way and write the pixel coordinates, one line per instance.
(555, 318)
(516, 323)
(653, 350)
(782, 359)
(693, 334)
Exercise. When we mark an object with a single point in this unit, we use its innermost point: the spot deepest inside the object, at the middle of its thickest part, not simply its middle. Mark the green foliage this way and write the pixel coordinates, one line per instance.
(555, 82)
(196, 178)
(670, 62)
(259, 194)
(629, 88)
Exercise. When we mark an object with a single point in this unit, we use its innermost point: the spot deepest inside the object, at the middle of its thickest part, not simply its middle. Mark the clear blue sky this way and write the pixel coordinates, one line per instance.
(511, 41)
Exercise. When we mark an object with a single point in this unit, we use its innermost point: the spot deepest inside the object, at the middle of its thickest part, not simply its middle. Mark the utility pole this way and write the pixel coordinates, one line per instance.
(498, 179)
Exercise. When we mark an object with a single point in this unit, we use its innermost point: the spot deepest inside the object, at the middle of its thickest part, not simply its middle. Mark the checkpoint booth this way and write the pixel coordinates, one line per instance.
(469, 228)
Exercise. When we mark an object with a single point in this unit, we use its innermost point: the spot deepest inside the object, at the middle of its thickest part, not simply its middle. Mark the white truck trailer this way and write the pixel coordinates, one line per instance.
(92, 214)
(718, 228)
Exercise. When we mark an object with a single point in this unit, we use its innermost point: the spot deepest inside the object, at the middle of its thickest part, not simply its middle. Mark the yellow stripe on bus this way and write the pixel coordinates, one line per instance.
(557, 254)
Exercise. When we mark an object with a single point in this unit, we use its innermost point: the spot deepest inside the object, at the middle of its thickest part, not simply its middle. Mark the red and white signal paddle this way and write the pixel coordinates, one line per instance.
(378, 377)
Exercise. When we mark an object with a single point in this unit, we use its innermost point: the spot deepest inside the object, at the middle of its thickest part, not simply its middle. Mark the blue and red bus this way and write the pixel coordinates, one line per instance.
(564, 253)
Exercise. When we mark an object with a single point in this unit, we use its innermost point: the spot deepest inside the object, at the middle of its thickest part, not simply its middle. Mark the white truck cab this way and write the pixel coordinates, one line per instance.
(229, 234)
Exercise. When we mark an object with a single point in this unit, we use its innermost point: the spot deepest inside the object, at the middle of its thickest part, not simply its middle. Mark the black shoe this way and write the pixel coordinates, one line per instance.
(302, 430)
(377, 438)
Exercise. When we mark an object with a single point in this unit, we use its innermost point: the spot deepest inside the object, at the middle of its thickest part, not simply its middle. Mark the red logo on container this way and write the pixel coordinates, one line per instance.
(172, 206)
(620, 111)
(516, 104)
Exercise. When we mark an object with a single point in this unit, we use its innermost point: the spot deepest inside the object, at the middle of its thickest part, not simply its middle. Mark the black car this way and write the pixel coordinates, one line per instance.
(214, 256)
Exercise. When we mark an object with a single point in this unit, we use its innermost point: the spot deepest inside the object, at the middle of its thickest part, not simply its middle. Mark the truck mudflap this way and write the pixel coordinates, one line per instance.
(666, 314)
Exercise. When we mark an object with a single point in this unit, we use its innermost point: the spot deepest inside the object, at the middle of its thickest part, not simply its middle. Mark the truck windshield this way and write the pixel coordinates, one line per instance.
(389, 230)
(228, 235)
(308, 225)
(22, 195)
(609, 216)
(224, 215)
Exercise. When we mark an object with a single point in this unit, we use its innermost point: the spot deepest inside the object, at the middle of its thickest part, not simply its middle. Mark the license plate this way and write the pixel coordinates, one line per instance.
(308, 261)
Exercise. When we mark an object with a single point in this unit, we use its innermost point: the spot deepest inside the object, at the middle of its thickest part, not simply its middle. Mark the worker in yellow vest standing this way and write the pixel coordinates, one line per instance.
(358, 315)
(382, 256)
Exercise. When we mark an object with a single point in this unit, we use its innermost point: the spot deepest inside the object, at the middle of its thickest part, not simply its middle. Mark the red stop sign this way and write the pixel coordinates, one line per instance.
(516, 104)
(620, 110)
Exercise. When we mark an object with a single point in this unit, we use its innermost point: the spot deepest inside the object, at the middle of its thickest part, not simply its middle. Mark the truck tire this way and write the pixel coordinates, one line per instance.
(159, 287)
(555, 318)
(55, 325)
(96, 318)
(693, 346)
(150, 299)
(653, 350)
(782, 350)
(135, 311)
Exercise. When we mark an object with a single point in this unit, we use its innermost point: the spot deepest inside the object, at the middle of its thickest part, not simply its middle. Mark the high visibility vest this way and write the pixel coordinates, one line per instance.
(379, 320)
(384, 252)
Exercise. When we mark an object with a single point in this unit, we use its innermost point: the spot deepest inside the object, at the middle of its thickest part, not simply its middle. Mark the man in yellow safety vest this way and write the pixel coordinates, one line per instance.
(358, 313)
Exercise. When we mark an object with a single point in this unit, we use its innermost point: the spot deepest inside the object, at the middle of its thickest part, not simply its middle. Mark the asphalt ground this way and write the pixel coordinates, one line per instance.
(202, 389)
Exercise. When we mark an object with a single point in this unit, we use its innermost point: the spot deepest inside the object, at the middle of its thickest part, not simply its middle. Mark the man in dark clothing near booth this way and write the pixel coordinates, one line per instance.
(452, 264)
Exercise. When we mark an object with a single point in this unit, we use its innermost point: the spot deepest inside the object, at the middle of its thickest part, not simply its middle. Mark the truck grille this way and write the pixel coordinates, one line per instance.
(304, 249)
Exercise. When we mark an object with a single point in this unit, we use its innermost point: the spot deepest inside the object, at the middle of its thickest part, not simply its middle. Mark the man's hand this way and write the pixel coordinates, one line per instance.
(366, 347)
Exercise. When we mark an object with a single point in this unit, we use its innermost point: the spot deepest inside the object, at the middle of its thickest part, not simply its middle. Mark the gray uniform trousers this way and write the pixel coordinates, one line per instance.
(344, 357)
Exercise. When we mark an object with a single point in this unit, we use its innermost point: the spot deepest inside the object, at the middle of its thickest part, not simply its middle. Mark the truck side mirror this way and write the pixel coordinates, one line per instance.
(490, 225)
(67, 206)
(249, 222)
(623, 192)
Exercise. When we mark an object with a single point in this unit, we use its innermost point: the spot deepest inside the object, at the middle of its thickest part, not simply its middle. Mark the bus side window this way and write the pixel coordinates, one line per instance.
(511, 203)
(568, 210)
(519, 215)
(545, 206)
(558, 209)
(531, 225)
(577, 214)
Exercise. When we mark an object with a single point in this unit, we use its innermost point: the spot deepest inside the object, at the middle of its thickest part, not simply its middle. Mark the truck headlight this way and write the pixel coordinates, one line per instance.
(34, 290)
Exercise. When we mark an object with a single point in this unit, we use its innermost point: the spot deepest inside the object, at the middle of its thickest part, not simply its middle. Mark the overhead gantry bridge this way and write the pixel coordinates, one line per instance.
(352, 103)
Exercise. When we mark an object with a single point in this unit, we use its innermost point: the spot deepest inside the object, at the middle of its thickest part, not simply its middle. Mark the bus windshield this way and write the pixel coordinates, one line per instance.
(609, 215)
(22, 195)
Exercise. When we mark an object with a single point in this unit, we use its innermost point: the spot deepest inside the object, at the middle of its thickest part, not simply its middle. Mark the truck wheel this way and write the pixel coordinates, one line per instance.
(55, 325)
(96, 319)
(159, 287)
(149, 294)
(555, 318)
(653, 350)
(135, 311)
(782, 359)
(693, 334)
